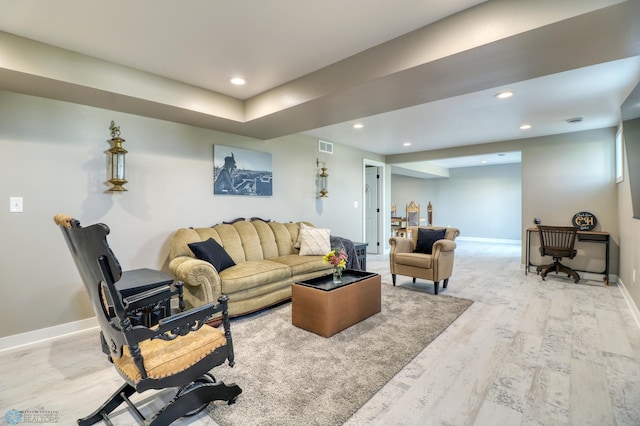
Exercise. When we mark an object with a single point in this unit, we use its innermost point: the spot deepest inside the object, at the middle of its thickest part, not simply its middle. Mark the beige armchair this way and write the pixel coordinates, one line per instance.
(436, 266)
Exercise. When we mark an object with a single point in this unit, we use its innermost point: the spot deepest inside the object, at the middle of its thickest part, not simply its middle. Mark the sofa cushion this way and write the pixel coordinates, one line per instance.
(283, 237)
(314, 241)
(419, 260)
(251, 274)
(213, 253)
(301, 265)
(426, 238)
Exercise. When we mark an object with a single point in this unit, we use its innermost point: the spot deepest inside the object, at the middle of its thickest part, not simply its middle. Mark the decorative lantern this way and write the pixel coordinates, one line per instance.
(117, 159)
(322, 177)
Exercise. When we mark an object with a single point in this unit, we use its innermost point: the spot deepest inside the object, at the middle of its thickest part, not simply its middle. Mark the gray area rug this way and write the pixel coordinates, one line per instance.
(290, 376)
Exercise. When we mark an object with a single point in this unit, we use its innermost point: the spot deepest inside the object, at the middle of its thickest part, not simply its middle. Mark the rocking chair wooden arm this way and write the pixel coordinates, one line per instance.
(201, 313)
(179, 324)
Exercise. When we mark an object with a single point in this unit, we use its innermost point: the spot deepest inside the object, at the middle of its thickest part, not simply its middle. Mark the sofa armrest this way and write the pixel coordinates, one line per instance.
(443, 246)
(202, 283)
(400, 245)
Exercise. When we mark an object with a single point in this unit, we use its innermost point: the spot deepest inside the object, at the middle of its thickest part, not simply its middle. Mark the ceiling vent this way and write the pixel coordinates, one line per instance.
(326, 147)
(574, 120)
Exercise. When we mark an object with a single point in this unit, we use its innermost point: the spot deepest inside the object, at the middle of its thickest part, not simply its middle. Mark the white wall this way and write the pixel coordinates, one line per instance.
(561, 175)
(569, 173)
(54, 157)
(483, 202)
(630, 228)
(405, 189)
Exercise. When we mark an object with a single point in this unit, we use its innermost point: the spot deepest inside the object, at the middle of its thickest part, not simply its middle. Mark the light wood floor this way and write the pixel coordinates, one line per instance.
(527, 352)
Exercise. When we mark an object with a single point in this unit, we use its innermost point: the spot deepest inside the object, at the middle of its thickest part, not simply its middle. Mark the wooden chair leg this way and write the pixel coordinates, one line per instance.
(393, 278)
(436, 285)
(445, 283)
(114, 401)
(570, 272)
(541, 268)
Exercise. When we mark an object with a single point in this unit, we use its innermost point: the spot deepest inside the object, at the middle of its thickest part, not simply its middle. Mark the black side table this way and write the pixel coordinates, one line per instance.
(138, 280)
(361, 252)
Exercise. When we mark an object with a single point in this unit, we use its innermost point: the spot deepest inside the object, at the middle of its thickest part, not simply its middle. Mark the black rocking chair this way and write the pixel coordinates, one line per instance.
(178, 352)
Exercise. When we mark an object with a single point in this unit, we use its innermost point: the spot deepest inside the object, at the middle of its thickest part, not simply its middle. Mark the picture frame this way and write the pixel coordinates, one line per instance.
(244, 172)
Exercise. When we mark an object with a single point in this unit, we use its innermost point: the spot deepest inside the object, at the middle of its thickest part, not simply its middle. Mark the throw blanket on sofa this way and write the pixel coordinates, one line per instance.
(349, 248)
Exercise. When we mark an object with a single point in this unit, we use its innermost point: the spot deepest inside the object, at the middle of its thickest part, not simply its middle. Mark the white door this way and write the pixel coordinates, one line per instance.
(372, 208)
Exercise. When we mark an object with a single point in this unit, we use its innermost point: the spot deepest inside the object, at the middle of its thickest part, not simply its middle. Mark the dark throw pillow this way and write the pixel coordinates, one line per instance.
(212, 252)
(426, 238)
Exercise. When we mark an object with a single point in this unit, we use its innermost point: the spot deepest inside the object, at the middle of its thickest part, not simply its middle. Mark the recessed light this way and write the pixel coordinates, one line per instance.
(574, 120)
(484, 162)
(237, 81)
(406, 144)
(358, 126)
(504, 95)
(525, 127)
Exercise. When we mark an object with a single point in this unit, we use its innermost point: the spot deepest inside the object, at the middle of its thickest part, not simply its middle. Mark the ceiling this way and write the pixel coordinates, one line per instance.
(418, 72)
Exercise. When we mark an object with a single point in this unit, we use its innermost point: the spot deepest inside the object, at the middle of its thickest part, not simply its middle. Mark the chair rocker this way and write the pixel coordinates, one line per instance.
(178, 352)
(557, 242)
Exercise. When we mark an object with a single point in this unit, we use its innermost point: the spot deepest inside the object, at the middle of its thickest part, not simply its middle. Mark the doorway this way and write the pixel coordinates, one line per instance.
(373, 201)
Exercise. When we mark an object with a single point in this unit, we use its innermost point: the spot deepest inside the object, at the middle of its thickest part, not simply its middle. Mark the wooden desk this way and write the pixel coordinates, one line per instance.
(582, 236)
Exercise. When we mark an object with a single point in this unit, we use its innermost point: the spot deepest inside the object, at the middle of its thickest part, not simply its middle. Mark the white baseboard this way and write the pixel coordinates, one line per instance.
(632, 306)
(490, 240)
(30, 337)
(387, 250)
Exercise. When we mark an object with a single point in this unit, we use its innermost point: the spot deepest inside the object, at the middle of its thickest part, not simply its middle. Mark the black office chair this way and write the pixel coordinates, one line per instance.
(557, 242)
(178, 352)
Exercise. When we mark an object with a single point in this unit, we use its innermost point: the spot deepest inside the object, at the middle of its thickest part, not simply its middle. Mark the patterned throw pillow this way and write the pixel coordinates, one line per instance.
(299, 239)
(315, 241)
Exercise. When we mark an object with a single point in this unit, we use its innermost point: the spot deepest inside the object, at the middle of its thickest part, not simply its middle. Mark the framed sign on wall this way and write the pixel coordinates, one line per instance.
(584, 221)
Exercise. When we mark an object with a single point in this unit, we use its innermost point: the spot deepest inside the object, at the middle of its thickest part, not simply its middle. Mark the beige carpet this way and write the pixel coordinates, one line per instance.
(290, 376)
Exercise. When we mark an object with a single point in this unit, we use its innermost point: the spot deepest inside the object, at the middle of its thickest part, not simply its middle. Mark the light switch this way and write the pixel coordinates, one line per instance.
(15, 204)
(355, 204)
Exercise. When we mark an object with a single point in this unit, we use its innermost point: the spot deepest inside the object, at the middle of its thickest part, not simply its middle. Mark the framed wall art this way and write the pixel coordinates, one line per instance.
(238, 171)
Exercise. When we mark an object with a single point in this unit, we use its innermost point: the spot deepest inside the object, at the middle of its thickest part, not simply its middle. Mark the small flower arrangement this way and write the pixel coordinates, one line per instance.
(337, 258)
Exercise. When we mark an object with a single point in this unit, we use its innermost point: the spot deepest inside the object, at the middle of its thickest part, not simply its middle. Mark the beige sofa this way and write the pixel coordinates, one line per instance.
(266, 264)
(436, 266)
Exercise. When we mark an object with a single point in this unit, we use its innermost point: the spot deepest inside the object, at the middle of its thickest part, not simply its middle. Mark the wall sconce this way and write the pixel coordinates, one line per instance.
(322, 178)
(116, 159)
